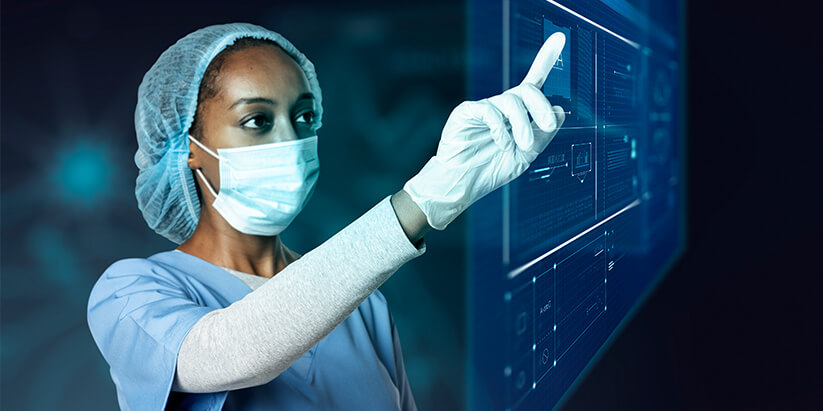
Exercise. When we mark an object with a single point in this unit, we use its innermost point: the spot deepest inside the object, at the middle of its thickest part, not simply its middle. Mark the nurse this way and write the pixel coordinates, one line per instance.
(233, 319)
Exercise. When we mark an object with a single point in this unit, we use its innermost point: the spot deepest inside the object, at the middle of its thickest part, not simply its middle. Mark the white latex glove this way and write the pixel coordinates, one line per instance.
(487, 143)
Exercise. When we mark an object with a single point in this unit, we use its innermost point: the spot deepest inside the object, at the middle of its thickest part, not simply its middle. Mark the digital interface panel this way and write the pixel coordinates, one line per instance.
(561, 255)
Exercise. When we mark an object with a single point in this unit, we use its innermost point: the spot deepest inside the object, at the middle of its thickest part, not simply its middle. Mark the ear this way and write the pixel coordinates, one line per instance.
(195, 153)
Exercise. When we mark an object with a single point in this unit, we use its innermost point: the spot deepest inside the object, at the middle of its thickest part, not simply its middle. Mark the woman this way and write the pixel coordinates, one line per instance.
(232, 318)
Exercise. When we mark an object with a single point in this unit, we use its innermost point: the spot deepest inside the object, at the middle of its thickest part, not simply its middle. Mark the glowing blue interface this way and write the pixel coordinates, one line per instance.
(561, 255)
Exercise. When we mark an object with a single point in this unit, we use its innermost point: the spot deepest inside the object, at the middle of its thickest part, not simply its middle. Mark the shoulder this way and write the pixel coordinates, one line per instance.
(122, 272)
(128, 278)
(129, 267)
(151, 265)
(128, 271)
(141, 297)
(139, 312)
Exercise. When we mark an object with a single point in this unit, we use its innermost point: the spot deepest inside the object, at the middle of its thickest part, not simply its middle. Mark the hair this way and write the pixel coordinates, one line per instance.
(209, 87)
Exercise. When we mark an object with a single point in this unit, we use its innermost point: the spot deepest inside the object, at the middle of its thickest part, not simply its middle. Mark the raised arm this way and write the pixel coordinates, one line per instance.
(484, 145)
(253, 340)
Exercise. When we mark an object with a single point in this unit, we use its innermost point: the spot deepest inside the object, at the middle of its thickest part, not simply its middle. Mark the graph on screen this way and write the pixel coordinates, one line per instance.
(560, 256)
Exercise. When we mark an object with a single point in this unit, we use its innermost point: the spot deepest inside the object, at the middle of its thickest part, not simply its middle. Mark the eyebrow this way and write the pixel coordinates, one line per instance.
(252, 100)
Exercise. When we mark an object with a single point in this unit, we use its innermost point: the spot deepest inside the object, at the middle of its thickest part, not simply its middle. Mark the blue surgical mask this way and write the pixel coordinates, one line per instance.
(263, 187)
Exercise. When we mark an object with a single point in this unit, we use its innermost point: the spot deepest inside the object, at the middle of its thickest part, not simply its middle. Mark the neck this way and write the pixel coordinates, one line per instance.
(217, 242)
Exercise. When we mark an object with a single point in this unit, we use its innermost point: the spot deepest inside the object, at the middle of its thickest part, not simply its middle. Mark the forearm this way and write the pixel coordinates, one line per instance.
(256, 338)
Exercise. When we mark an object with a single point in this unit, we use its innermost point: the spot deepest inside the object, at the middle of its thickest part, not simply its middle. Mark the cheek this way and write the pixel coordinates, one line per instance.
(211, 170)
(223, 132)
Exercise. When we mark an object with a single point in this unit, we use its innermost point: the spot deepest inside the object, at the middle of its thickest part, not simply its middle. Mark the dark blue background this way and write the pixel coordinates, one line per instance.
(736, 324)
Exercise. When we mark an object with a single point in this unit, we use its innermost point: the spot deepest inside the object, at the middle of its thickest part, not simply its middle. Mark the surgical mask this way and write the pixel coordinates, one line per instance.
(263, 187)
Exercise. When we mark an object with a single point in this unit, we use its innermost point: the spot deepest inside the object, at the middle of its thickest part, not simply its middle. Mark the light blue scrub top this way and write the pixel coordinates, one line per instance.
(141, 309)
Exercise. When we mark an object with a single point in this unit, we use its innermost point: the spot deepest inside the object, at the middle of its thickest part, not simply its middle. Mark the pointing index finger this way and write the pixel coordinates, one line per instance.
(546, 57)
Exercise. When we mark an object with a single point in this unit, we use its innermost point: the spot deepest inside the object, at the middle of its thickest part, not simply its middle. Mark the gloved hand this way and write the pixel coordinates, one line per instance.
(487, 143)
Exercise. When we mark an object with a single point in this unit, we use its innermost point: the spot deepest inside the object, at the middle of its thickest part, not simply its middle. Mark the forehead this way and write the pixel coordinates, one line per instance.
(262, 71)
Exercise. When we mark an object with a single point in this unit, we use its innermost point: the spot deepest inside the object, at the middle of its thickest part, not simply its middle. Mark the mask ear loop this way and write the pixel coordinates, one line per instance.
(202, 177)
(208, 150)
(200, 173)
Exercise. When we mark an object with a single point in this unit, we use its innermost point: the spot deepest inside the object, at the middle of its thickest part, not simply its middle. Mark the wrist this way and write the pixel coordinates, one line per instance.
(441, 191)
(410, 216)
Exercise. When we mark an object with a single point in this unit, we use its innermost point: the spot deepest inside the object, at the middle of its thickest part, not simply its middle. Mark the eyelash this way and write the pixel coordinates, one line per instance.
(267, 123)
(313, 117)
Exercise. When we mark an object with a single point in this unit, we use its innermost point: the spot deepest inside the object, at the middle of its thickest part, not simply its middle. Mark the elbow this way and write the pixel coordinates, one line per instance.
(224, 379)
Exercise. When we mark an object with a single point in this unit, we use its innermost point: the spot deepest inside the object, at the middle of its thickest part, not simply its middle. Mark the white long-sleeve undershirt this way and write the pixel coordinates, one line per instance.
(256, 338)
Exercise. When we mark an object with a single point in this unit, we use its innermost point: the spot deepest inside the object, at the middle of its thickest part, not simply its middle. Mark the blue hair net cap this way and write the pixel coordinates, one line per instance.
(166, 104)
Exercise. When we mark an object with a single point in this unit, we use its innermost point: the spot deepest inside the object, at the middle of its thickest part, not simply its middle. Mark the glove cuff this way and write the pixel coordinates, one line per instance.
(438, 191)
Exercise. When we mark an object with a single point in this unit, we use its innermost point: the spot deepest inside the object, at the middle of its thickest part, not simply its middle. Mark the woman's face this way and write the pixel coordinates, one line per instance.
(264, 97)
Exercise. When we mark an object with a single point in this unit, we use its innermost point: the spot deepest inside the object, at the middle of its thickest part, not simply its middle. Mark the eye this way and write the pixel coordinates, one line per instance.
(307, 117)
(257, 122)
